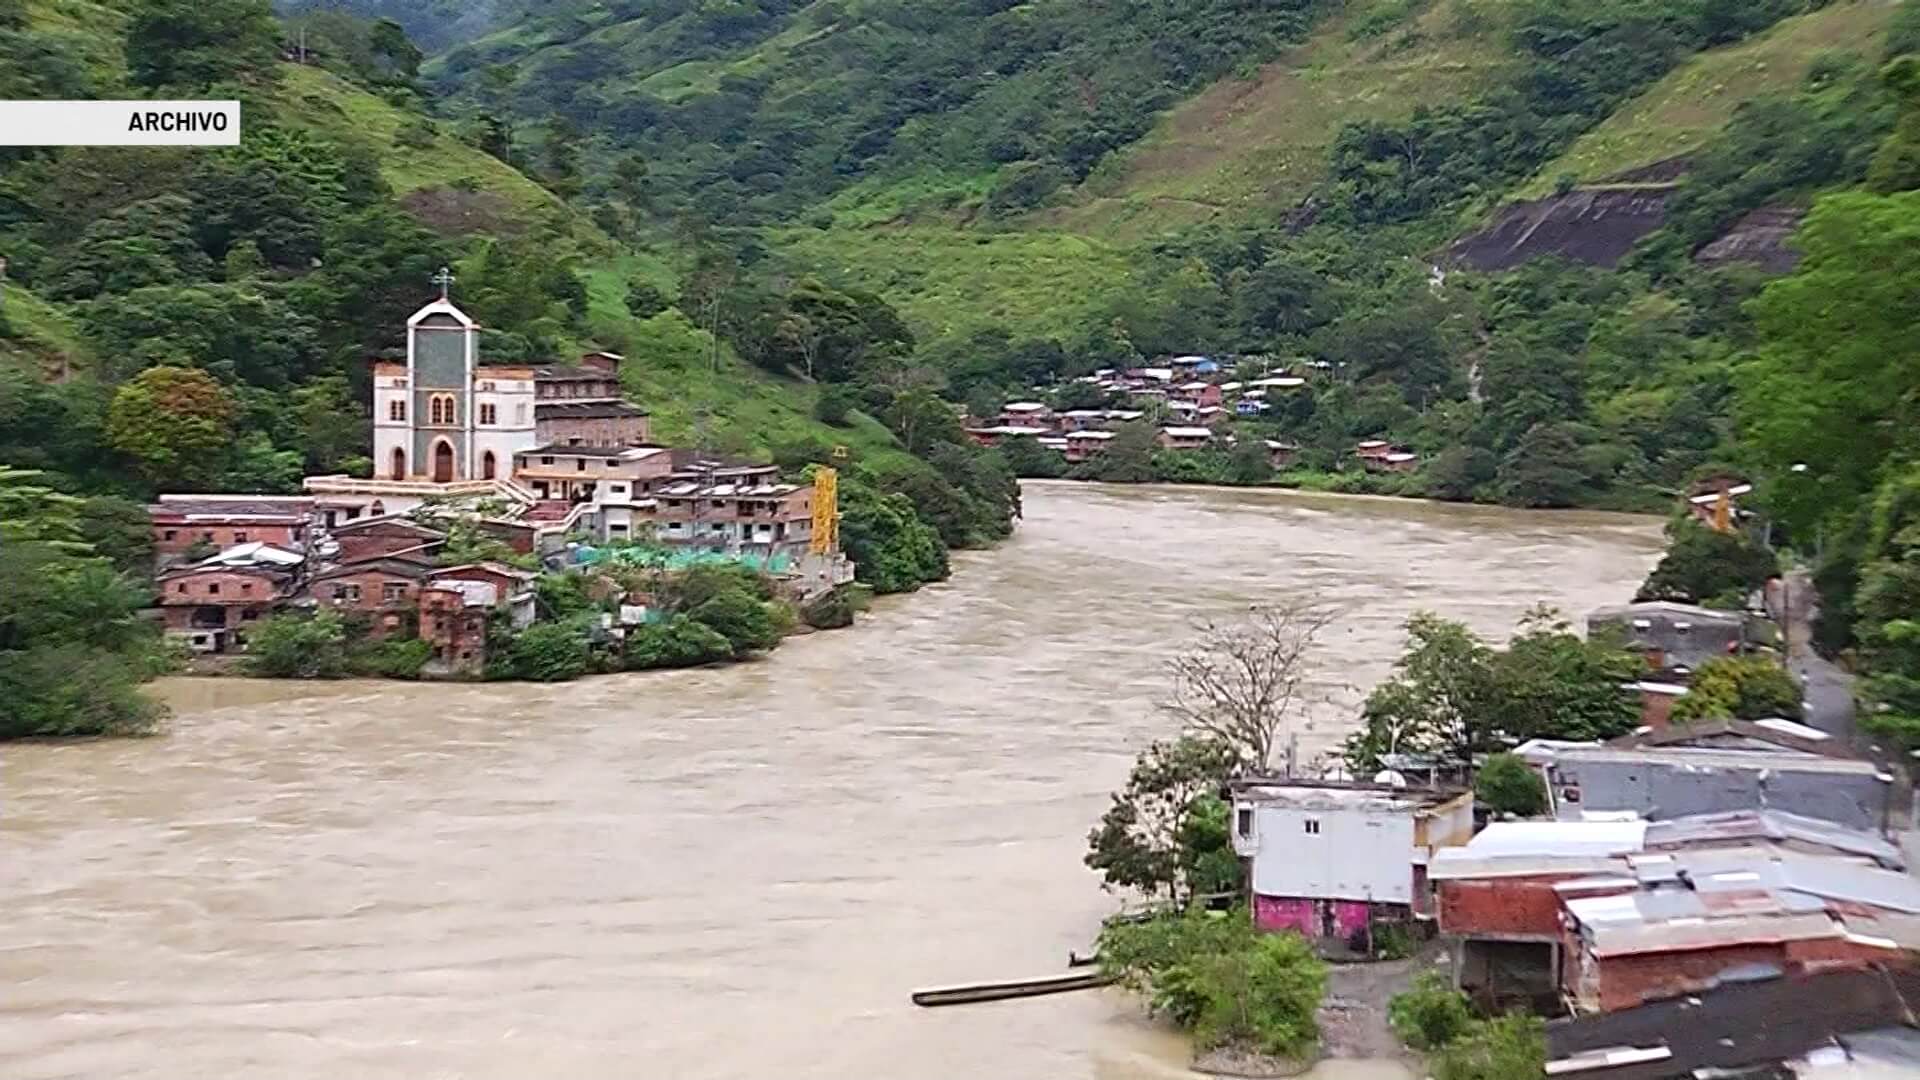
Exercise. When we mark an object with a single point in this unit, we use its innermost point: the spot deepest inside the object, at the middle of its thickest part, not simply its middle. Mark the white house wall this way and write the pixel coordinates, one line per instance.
(1353, 856)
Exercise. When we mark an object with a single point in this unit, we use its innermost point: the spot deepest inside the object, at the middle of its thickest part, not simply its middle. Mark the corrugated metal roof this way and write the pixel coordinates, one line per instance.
(1457, 863)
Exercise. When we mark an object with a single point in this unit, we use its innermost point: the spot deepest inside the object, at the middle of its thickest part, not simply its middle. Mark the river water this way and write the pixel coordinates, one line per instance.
(718, 874)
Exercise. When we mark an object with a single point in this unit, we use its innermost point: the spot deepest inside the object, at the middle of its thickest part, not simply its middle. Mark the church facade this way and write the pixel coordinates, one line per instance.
(444, 417)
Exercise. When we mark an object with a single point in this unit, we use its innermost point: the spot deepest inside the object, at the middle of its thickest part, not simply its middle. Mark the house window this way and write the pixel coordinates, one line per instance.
(396, 409)
(249, 615)
(346, 593)
(580, 464)
(1243, 822)
(1312, 826)
(440, 409)
(520, 414)
(617, 489)
(393, 592)
(239, 538)
(487, 414)
(180, 588)
(213, 589)
(246, 588)
(548, 460)
(170, 534)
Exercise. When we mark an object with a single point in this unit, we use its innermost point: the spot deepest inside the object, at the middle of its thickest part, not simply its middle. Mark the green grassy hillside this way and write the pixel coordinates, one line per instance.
(1250, 145)
(459, 192)
(1684, 110)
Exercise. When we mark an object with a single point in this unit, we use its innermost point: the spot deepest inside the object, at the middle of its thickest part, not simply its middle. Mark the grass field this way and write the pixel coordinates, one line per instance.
(1682, 111)
(1261, 141)
(945, 280)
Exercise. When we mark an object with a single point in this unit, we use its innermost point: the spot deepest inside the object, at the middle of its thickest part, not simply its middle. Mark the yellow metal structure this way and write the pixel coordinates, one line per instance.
(826, 511)
(1723, 511)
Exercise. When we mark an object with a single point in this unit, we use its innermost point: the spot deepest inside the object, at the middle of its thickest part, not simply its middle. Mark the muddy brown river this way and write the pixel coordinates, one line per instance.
(719, 874)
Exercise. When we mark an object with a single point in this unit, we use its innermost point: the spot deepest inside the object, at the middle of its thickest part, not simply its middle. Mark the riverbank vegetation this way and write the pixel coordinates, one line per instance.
(73, 649)
(1213, 975)
(1454, 697)
(704, 614)
(1434, 1018)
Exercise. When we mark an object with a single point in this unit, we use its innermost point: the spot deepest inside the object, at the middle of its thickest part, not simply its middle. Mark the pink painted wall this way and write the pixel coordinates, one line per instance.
(1304, 916)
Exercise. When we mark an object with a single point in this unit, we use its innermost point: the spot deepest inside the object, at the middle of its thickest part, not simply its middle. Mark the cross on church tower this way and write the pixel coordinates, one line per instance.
(444, 279)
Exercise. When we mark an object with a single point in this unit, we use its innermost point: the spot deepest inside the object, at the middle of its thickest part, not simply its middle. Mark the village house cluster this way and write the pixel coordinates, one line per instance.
(543, 458)
(1680, 873)
(1197, 396)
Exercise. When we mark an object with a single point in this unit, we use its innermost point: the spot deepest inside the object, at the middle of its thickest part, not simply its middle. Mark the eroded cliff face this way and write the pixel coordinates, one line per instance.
(1596, 225)
(1599, 225)
(1763, 238)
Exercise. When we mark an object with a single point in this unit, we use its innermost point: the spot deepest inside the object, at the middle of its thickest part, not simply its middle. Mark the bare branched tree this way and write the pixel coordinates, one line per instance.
(1239, 681)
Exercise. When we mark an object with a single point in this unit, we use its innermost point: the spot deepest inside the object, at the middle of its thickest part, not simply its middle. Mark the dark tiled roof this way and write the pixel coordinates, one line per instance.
(587, 410)
(1740, 1026)
(406, 568)
(399, 521)
(565, 372)
(264, 506)
(557, 449)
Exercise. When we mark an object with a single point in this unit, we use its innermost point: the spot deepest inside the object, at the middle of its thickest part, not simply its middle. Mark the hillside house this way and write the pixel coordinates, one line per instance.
(1185, 438)
(1081, 445)
(1671, 635)
(181, 522)
(1668, 782)
(1330, 860)
(372, 538)
(1280, 455)
(209, 606)
(1026, 414)
(503, 588)
(386, 590)
(453, 622)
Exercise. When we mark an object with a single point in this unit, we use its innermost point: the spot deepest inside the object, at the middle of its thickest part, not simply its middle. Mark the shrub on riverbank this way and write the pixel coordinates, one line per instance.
(394, 658)
(543, 652)
(294, 646)
(1214, 975)
(1431, 1014)
(677, 642)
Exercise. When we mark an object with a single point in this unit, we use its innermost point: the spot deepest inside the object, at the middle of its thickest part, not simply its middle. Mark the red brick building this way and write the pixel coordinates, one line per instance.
(209, 606)
(387, 590)
(454, 626)
(183, 521)
(372, 538)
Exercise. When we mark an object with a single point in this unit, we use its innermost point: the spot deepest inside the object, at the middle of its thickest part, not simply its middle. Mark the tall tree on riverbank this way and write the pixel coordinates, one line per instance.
(1239, 682)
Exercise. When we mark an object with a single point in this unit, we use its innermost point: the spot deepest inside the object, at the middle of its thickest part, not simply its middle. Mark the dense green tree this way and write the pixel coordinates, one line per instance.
(1027, 458)
(891, 548)
(1829, 384)
(193, 44)
(740, 618)
(1544, 468)
(1138, 842)
(233, 330)
(176, 423)
(1739, 687)
(1128, 458)
(677, 642)
(1507, 785)
(147, 243)
(1703, 565)
(543, 652)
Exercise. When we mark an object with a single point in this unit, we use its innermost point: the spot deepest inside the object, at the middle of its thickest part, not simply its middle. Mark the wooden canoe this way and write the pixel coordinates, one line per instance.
(970, 993)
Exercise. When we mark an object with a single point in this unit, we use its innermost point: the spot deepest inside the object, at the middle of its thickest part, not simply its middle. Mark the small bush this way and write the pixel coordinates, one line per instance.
(678, 642)
(1217, 977)
(1507, 785)
(1504, 1048)
(298, 647)
(394, 658)
(834, 406)
(1430, 1015)
(543, 652)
